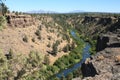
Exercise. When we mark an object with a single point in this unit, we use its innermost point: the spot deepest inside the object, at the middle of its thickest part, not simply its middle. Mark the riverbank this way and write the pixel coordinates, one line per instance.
(85, 55)
(69, 65)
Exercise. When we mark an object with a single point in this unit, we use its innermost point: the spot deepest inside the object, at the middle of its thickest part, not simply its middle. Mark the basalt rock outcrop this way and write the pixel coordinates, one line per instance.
(98, 20)
(108, 40)
(88, 70)
(106, 63)
(20, 20)
(108, 68)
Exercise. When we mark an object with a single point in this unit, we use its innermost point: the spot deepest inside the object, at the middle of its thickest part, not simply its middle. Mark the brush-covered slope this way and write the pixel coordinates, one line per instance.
(25, 33)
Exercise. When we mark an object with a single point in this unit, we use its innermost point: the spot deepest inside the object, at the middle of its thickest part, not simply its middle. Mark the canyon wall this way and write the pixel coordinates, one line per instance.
(21, 20)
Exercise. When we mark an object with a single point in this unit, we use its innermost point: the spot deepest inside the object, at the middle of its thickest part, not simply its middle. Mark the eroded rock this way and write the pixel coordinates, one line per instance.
(20, 21)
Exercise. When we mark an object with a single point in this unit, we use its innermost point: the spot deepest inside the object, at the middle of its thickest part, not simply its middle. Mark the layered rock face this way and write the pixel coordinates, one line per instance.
(20, 20)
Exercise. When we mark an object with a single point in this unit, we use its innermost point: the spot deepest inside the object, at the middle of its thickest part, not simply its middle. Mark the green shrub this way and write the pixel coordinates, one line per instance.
(33, 39)
(37, 33)
(16, 13)
(13, 11)
(3, 66)
(46, 60)
(55, 49)
(69, 76)
(39, 37)
(40, 27)
(66, 48)
(10, 55)
(49, 37)
(25, 38)
(2, 22)
(54, 69)
(35, 59)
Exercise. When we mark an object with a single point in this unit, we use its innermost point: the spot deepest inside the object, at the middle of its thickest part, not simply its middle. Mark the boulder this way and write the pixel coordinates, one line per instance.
(101, 57)
(102, 42)
(117, 58)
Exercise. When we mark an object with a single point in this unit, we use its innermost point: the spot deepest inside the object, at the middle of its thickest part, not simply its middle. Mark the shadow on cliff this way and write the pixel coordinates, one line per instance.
(114, 45)
(88, 70)
(101, 43)
(115, 26)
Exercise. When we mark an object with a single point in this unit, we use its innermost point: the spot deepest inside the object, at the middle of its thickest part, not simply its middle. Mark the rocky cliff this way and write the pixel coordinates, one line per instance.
(92, 26)
(20, 20)
(105, 65)
(108, 40)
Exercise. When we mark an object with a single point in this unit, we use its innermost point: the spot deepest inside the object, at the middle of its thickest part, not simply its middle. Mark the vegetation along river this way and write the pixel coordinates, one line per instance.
(85, 54)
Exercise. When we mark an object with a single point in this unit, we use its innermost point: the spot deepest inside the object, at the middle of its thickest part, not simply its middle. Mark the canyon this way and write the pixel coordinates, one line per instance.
(49, 34)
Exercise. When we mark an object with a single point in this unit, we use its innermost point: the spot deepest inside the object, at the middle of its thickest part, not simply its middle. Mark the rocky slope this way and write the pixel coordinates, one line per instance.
(25, 33)
(92, 26)
(105, 65)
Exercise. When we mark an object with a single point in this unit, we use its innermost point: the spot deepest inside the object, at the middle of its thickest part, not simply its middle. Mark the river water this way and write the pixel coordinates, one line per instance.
(85, 54)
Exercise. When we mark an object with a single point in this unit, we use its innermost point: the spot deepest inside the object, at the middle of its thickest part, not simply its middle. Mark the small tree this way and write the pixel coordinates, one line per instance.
(37, 32)
(46, 60)
(35, 59)
(25, 38)
(66, 48)
(8, 11)
(20, 13)
(10, 55)
(3, 66)
(16, 13)
(33, 39)
(55, 49)
(2, 22)
(69, 76)
(63, 77)
(13, 11)
(4, 9)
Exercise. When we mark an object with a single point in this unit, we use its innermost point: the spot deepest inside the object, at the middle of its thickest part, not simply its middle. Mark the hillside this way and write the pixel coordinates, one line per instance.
(43, 44)
(25, 33)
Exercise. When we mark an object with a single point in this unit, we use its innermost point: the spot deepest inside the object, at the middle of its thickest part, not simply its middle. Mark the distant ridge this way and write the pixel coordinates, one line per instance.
(40, 11)
(77, 11)
(43, 11)
(55, 12)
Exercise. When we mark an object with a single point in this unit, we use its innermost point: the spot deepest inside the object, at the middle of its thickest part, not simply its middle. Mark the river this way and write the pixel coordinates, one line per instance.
(85, 54)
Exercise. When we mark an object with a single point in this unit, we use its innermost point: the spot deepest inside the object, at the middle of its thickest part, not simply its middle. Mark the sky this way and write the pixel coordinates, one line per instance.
(64, 5)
